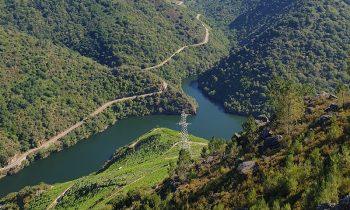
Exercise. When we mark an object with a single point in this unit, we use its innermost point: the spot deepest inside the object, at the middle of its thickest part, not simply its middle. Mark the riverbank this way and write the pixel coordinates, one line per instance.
(16, 163)
(89, 156)
(96, 122)
(145, 165)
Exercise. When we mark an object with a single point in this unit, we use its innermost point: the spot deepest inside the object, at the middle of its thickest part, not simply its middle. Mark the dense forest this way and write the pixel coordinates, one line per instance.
(45, 89)
(302, 41)
(224, 12)
(63, 59)
(110, 32)
(284, 62)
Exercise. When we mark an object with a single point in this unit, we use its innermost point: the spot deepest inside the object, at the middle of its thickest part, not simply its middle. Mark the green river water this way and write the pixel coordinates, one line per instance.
(89, 155)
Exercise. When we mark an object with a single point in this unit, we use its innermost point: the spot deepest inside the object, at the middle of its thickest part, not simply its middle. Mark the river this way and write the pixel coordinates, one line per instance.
(89, 155)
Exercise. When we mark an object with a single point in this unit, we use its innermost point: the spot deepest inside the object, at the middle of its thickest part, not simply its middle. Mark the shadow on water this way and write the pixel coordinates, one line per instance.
(89, 155)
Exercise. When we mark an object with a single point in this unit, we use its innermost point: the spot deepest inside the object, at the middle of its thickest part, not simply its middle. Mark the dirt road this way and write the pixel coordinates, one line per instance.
(18, 159)
(205, 41)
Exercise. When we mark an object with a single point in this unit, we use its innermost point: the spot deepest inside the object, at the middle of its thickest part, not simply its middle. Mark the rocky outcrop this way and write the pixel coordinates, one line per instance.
(332, 108)
(326, 95)
(262, 120)
(344, 204)
(266, 133)
(273, 142)
(310, 110)
(323, 121)
(247, 167)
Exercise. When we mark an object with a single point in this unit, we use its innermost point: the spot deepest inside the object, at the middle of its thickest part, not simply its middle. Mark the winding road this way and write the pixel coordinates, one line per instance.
(205, 41)
(18, 160)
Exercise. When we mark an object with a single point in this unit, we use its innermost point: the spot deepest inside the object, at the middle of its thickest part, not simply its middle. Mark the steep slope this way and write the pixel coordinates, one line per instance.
(110, 32)
(45, 89)
(222, 13)
(264, 167)
(142, 164)
(40, 114)
(304, 41)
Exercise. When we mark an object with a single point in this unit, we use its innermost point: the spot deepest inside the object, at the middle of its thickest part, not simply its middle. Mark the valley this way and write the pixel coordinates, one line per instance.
(78, 160)
(91, 93)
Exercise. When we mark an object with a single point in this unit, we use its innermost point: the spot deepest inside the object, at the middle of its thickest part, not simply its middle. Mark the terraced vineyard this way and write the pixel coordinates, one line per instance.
(145, 164)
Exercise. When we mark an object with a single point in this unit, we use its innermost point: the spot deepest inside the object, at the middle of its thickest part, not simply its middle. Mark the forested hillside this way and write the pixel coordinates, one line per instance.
(299, 159)
(48, 85)
(45, 89)
(305, 41)
(110, 32)
(222, 13)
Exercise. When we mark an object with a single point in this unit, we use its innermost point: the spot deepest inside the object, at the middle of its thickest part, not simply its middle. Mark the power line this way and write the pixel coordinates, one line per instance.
(184, 131)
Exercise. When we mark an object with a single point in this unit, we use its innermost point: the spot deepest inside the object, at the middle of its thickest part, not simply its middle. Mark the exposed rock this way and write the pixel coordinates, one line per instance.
(237, 136)
(323, 95)
(326, 95)
(310, 110)
(326, 206)
(266, 133)
(310, 103)
(263, 118)
(209, 160)
(332, 108)
(323, 121)
(247, 167)
(332, 97)
(273, 142)
(347, 105)
(344, 204)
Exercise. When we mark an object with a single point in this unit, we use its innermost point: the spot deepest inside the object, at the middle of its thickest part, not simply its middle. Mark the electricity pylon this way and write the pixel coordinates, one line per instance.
(184, 132)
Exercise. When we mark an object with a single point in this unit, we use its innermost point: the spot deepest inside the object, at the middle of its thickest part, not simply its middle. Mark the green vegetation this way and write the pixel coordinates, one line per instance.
(45, 89)
(113, 33)
(298, 159)
(303, 41)
(48, 86)
(135, 168)
(224, 12)
(267, 167)
(287, 101)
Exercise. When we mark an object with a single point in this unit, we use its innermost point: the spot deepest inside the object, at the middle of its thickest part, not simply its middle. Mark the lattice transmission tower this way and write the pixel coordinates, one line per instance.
(184, 132)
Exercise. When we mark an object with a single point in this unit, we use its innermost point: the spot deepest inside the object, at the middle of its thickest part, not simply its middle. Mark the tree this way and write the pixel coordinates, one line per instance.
(250, 128)
(287, 101)
(343, 94)
(334, 130)
(183, 164)
(216, 145)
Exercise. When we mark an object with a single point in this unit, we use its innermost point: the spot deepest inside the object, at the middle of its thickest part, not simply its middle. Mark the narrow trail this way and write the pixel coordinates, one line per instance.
(18, 159)
(56, 201)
